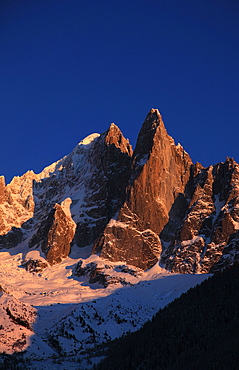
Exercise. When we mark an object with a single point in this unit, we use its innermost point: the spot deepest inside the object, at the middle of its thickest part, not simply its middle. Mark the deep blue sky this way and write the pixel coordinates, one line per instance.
(71, 67)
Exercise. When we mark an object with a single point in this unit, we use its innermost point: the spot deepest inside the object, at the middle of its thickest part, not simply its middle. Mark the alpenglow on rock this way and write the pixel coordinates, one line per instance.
(207, 238)
(56, 233)
(138, 207)
(159, 172)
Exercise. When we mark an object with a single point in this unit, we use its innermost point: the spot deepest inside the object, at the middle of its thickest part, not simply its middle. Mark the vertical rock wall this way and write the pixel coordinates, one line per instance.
(159, 172)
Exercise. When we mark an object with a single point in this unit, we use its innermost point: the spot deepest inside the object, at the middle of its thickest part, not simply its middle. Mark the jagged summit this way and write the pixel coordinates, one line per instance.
(152, 113)
(88, 139)
(150, 193)
(114, 136)
(147, 132)
(138, 207)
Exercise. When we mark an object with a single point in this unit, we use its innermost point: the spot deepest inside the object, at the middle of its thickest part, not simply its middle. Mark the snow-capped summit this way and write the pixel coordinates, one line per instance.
(105, 217)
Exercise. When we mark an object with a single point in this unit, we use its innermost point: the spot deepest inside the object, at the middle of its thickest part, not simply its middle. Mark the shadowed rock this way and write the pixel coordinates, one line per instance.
(110, 162)
(210, 222)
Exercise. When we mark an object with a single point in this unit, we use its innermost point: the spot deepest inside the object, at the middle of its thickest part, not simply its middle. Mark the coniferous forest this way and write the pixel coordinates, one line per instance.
(199, 330)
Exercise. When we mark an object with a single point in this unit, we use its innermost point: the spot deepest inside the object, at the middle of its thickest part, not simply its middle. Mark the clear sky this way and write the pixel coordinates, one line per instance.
(71, 67)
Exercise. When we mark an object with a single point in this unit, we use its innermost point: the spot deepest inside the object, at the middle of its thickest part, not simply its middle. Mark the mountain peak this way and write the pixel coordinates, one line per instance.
(153, 118)
(88, 139)
(150, 195)
(147, 133)
(114, 136)
(155, 112)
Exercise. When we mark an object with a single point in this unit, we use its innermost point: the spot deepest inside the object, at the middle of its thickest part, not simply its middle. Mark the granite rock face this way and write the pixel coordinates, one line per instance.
(160, 171)
(55, 235)
(207, 238)
(16, 202)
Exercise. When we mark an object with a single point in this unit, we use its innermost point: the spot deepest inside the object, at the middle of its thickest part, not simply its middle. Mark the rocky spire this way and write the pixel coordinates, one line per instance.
(159, 172)
(147, 132)
(114, 136)
(56, 233)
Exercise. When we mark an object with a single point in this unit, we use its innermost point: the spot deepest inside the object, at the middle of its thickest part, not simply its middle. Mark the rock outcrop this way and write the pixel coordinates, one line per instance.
(207, 238)
(106, 274)
(16, 202)
(34, 265)
(55, 234)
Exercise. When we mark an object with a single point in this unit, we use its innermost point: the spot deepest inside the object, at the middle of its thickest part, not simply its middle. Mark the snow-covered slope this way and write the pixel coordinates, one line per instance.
(16, 322)
(70, 316)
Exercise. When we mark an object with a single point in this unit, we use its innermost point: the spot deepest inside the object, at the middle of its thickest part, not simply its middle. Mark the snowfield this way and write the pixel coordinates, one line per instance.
(58, 317)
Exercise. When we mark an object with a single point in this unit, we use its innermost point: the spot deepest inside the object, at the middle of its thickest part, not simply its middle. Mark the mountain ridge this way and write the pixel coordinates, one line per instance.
(101, 239)
(143, 206)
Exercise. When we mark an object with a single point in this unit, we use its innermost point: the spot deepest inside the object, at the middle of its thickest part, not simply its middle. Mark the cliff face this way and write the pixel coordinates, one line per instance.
(207, 239)
(55, 233)
(16, 201)
(159, 172)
